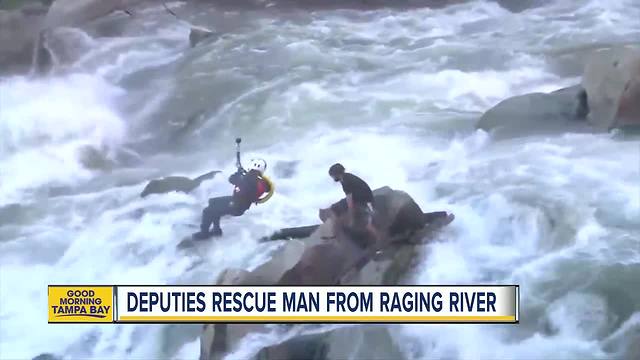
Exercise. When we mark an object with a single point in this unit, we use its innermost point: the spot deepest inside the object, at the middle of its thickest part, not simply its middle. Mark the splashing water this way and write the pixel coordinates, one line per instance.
(391, 94)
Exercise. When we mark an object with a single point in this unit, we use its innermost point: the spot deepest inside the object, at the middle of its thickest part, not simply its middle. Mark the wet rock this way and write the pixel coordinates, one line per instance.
(612, 83)
(335, 4)
(293, 233)
(538, 113)
(354, 342)
(77, 12)
(176, 183)
(629, 106)
(18, 35)
(216, 338)
(197, 35)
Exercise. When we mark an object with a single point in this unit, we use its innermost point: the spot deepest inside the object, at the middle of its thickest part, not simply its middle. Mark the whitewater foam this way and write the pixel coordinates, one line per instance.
(45, 123)
(369, 89)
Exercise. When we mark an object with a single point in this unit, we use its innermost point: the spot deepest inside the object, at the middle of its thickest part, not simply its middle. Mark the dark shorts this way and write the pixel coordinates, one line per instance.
(361, 212)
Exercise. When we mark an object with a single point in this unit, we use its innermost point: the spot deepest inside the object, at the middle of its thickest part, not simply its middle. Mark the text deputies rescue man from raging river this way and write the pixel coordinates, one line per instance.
(233, 301)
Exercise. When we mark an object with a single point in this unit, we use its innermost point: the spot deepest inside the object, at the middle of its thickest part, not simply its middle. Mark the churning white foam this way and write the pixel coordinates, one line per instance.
(544, 213)
(45, 122)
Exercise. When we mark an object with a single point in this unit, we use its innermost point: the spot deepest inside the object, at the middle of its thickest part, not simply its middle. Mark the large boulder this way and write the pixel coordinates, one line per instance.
(612, 82)
(537, 113)
(216, 338)
(331, 256)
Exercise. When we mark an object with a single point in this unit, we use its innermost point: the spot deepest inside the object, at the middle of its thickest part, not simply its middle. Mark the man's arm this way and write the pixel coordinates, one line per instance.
(350, 209)
(236, 178)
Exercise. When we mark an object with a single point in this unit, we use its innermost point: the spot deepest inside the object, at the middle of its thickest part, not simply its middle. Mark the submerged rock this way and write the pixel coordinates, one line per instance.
(18, 214)
(197, 35)
(47, 356)
(331, 256)
(285, 169)
(94, 159)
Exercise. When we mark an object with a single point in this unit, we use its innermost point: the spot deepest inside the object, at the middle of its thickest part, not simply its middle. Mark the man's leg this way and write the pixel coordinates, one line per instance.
(361, 227)
(370, 226)
(374, 233)
(207, 219)
(223, 206)
(217, 208)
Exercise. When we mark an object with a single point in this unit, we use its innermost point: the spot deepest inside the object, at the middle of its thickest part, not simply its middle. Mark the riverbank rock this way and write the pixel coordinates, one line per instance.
(331, 256)
(612, 83)
(537, 113)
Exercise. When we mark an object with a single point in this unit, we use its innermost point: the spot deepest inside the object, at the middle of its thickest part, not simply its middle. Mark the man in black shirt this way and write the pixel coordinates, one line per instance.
(358, 203)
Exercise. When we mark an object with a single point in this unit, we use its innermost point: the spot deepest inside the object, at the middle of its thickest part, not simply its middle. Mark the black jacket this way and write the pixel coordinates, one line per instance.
(246, 188)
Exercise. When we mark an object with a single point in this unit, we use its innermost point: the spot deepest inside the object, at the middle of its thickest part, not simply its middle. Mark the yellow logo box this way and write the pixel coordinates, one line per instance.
(80, 304)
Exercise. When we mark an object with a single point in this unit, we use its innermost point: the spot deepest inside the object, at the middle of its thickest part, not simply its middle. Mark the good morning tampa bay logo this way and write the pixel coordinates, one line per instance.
(80, 305)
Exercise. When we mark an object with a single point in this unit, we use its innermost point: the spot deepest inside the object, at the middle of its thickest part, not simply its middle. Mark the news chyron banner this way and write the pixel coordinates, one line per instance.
(284, 304)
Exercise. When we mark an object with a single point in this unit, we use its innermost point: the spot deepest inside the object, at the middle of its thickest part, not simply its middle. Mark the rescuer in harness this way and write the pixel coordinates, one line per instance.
(249, 187)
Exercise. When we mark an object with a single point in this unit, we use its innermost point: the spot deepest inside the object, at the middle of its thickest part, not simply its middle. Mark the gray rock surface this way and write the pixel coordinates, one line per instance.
(612, 82)
(538, 113)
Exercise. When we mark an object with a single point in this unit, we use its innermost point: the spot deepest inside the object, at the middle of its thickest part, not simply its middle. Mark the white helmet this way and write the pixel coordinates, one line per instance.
(258, 164)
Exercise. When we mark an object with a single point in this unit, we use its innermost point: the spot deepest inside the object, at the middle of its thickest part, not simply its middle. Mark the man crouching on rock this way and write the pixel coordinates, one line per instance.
(358, 204)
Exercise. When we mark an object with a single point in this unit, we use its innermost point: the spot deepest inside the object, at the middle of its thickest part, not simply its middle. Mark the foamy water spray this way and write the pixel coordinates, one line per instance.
(390, 94)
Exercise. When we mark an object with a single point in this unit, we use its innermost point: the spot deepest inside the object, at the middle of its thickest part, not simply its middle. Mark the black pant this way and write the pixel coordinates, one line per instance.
(361, 212)
(219, 207)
